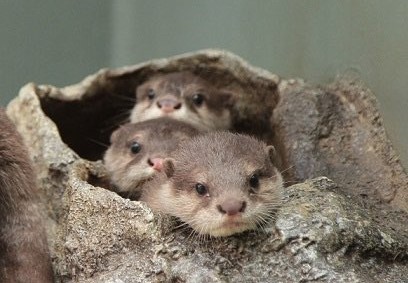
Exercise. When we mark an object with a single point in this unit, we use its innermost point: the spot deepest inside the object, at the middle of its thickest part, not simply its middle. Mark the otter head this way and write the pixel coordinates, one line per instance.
(186, 97)
(219, 184)
(137, 152)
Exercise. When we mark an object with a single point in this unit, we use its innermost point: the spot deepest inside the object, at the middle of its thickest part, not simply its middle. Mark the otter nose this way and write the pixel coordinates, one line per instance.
(168, 105)
(156, 163)
(231, 207)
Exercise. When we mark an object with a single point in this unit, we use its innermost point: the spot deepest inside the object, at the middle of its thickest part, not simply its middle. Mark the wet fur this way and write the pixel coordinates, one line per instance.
(223, 162)
(24, 255)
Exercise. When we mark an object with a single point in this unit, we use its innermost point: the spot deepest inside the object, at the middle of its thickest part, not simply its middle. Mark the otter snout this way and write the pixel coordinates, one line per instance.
(231, 207)
(156, 163)
(168, 104)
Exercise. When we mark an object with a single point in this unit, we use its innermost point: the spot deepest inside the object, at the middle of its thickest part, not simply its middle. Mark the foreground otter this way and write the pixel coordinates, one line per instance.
(186, 97)
(219, 183)
(24, 255)
(137, 151)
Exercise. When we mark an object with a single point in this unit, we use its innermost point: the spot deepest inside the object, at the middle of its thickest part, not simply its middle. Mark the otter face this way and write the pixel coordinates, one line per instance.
(129, 161)
(183, 96)
(221, 184)
(137, 151)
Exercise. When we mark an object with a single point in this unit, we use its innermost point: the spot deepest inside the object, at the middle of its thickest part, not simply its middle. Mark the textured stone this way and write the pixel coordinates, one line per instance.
(352, 230)
(337, 131)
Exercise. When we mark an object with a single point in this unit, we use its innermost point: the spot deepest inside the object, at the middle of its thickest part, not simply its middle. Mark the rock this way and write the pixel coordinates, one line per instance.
(337, 131)
(350, 230)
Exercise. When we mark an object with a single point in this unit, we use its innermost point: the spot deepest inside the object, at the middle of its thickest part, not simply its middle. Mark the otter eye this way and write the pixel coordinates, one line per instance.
(254, 181)
(201, 189)
(135, 147)
(198, 99)
(151, 94)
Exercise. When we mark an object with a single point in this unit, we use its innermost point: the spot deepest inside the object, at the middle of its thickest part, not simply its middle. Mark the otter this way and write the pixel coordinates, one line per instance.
(137, 151)
(186, 97)
(219, 183)
(24, 254)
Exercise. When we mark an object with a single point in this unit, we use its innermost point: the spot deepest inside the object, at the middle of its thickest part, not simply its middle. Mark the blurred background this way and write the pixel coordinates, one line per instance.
(60, 42)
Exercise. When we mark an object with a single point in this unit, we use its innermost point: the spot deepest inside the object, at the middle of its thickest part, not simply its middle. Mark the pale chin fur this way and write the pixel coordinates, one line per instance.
(211, 122)
(160, 195)
(139, 174)
(224, 230)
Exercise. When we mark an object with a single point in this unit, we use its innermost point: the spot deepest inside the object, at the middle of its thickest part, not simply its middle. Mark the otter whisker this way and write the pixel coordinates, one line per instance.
(182, 225)
(98, 142)
(126, 98)
(117, 119)
(290, 167)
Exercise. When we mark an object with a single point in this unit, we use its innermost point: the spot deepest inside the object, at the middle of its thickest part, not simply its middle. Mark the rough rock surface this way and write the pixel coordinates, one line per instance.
(337, 131)
(355, 231)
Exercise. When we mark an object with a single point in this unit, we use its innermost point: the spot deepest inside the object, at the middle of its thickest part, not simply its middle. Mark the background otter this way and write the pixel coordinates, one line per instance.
(219, 183)
(24, 255)
(186, 97)
(138, 149)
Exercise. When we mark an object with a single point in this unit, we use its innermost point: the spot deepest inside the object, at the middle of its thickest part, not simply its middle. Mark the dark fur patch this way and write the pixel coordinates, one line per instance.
(24, 255)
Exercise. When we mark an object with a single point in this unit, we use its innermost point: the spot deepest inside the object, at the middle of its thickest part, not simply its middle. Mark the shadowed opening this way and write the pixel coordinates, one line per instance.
(86, 125)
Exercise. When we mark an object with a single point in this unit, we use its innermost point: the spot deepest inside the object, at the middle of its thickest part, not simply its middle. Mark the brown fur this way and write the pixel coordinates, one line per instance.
(178, 90)
(224, 162)
(24, 255)
(158, 138)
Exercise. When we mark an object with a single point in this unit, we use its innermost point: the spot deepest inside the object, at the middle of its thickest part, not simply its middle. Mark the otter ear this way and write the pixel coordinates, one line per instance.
(168, 167)
(271, 151)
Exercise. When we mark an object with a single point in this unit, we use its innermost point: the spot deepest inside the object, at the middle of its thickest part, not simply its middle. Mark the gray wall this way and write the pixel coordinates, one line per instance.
(60, 42)
(53, 42)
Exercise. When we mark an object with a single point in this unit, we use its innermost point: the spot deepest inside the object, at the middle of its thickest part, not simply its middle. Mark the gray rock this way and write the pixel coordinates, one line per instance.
(350, 230)
(337, 131)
